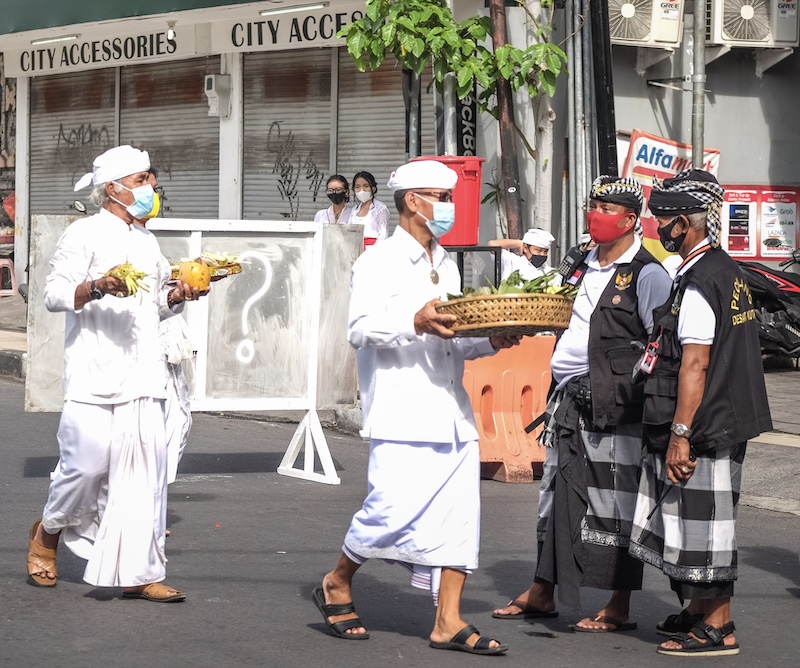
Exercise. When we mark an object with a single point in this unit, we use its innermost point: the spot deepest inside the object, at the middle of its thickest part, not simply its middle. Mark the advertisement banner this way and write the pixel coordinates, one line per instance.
(760, 222)
(652, 156)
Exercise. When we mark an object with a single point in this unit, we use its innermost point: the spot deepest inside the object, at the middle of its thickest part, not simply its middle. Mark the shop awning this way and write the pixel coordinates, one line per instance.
(24, 15)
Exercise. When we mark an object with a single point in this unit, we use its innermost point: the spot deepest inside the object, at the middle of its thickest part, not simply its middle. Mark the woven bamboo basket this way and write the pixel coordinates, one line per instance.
(524, 314)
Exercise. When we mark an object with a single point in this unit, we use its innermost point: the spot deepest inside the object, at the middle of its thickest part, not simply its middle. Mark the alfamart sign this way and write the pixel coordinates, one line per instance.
(304, 30)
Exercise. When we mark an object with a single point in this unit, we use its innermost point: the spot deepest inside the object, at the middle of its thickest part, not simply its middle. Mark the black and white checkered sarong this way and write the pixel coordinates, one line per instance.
(612, 463)
(688, 531)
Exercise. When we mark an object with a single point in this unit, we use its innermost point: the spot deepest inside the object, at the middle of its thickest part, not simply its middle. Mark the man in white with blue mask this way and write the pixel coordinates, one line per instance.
(108, 497)
(423, 505)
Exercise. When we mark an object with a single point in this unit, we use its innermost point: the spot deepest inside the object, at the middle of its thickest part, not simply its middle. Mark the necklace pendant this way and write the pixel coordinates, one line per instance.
(434, 277)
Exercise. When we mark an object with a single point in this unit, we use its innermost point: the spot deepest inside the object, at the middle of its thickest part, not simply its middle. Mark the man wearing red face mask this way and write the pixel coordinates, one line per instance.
(593, 430)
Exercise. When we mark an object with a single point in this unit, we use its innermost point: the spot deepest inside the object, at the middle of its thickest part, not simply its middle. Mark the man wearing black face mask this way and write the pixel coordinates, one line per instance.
(704, 398)
(528, 255)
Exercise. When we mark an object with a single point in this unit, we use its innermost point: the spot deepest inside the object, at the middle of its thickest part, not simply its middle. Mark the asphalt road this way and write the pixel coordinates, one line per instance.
(249, 545)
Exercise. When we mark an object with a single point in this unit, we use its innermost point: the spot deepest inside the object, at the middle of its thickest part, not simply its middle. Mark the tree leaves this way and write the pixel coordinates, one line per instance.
(420, 32)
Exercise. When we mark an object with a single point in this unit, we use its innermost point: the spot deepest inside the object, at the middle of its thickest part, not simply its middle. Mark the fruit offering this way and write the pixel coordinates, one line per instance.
(219, 265)
(196, 273)
(515, 284)
(131, 276)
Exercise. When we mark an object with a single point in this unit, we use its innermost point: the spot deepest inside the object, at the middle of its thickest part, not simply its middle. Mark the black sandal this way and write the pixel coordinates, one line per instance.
(339, 629)
(459, 643)
(709, 641)
(679, 623)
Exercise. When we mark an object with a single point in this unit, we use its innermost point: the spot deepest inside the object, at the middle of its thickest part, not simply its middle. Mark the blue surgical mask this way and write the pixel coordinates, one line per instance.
(444, 216)
(144, 201)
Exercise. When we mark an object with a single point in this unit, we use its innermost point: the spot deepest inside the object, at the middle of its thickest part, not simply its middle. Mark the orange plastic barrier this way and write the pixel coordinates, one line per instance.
(508, 391)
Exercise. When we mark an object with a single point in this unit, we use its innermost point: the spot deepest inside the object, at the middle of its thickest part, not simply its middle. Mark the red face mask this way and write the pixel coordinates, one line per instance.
(603, 226)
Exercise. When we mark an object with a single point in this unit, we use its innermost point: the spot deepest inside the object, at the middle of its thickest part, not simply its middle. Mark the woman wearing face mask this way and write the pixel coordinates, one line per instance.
(368, 211)
(339, 212)
(528, 256)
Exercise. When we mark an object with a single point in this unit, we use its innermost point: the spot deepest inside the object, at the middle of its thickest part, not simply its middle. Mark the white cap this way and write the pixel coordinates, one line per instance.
(538, 237)
(115, 163)
(584, 238)
(423, 174)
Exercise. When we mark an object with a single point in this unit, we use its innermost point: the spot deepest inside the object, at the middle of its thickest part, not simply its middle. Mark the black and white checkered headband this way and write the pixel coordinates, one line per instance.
(690, 191)
(625, 191)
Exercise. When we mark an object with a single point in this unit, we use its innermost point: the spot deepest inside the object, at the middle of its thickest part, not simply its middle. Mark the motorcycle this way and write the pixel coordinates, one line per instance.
(776, 299)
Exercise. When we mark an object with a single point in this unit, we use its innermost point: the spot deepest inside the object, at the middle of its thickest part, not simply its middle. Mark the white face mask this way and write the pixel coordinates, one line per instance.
(364, 195)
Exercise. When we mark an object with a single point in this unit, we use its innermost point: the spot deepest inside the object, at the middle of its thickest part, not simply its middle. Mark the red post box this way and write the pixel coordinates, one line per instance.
(466, 197)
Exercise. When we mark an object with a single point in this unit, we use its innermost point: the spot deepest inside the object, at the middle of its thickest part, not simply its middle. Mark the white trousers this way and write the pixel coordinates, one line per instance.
(109, 494)
(178, 419)
(422, 509)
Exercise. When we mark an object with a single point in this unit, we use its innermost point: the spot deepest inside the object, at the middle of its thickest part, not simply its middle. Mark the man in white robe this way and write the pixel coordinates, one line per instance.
(528, 255)
(422, 508)
(108, 496)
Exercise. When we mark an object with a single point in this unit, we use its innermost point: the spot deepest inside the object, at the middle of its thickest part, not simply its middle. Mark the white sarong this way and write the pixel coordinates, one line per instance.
(422, 509)
(109, 494)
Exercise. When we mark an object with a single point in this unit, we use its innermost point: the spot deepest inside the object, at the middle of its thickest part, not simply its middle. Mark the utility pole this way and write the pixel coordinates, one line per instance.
(604, 87)
(698, 82)
(509, 167)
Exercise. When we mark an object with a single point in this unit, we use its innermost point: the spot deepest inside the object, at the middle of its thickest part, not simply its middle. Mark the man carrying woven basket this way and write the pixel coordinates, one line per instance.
(423, 505)
(593, 430)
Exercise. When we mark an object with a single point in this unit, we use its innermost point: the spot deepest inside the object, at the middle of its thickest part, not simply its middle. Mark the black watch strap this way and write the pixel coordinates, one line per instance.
(94, 291)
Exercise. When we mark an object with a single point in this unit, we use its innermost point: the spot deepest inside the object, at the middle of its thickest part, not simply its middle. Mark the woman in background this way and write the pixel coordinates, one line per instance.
(339, 213)
(368, 211)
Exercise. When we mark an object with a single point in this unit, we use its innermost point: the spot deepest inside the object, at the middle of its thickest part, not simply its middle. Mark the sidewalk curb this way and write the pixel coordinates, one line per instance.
(12, 363)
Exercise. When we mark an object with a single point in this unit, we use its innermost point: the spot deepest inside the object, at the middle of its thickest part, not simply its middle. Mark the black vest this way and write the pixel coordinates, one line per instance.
(615, 322)
(734, 406)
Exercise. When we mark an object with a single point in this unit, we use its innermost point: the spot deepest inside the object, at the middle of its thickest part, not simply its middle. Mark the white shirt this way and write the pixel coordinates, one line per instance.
(375, 221)
(327, 216)
(411, 384)
(571, 355)
(511, 262)
(696, 320)
(112, 349)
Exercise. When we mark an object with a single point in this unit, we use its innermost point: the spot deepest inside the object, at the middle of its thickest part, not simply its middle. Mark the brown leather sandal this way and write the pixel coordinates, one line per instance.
(157, 592)
(41, 559)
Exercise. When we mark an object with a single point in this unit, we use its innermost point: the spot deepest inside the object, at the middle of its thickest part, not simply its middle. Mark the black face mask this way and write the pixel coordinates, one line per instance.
(337, 198)
(538, 260)
(670, 244)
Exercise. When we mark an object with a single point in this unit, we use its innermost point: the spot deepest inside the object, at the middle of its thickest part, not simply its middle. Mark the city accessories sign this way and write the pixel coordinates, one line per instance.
(89, 54)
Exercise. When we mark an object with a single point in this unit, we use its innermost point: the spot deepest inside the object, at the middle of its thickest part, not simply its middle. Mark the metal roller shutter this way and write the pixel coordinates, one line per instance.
(372, 122)
(72, 122)
(164, 110)
(287, 134)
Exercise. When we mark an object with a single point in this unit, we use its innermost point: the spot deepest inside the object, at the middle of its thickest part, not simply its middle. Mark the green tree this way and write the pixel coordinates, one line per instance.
(423, 32)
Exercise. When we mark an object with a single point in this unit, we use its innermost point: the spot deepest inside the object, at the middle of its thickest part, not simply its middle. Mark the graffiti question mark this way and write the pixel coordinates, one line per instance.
(245, 351)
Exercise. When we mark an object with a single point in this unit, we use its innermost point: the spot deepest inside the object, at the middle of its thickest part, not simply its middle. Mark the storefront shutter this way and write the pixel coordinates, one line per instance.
(287, 134)
(164, 110)
(72, 122)
(372, 122)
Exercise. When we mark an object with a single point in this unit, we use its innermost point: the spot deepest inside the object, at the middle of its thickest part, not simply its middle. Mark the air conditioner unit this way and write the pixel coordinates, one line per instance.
(753, 23)
(654, 23)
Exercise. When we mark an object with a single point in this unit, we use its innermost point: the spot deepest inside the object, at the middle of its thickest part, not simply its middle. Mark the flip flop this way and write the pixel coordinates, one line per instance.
(338, 629)
(458, 643)
(40, 558)
(528, 612)
(156, 592)
(618, 625)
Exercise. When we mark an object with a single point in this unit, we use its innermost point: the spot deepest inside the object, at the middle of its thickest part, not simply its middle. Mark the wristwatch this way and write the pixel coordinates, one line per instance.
(94, 291)
(680, 430)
